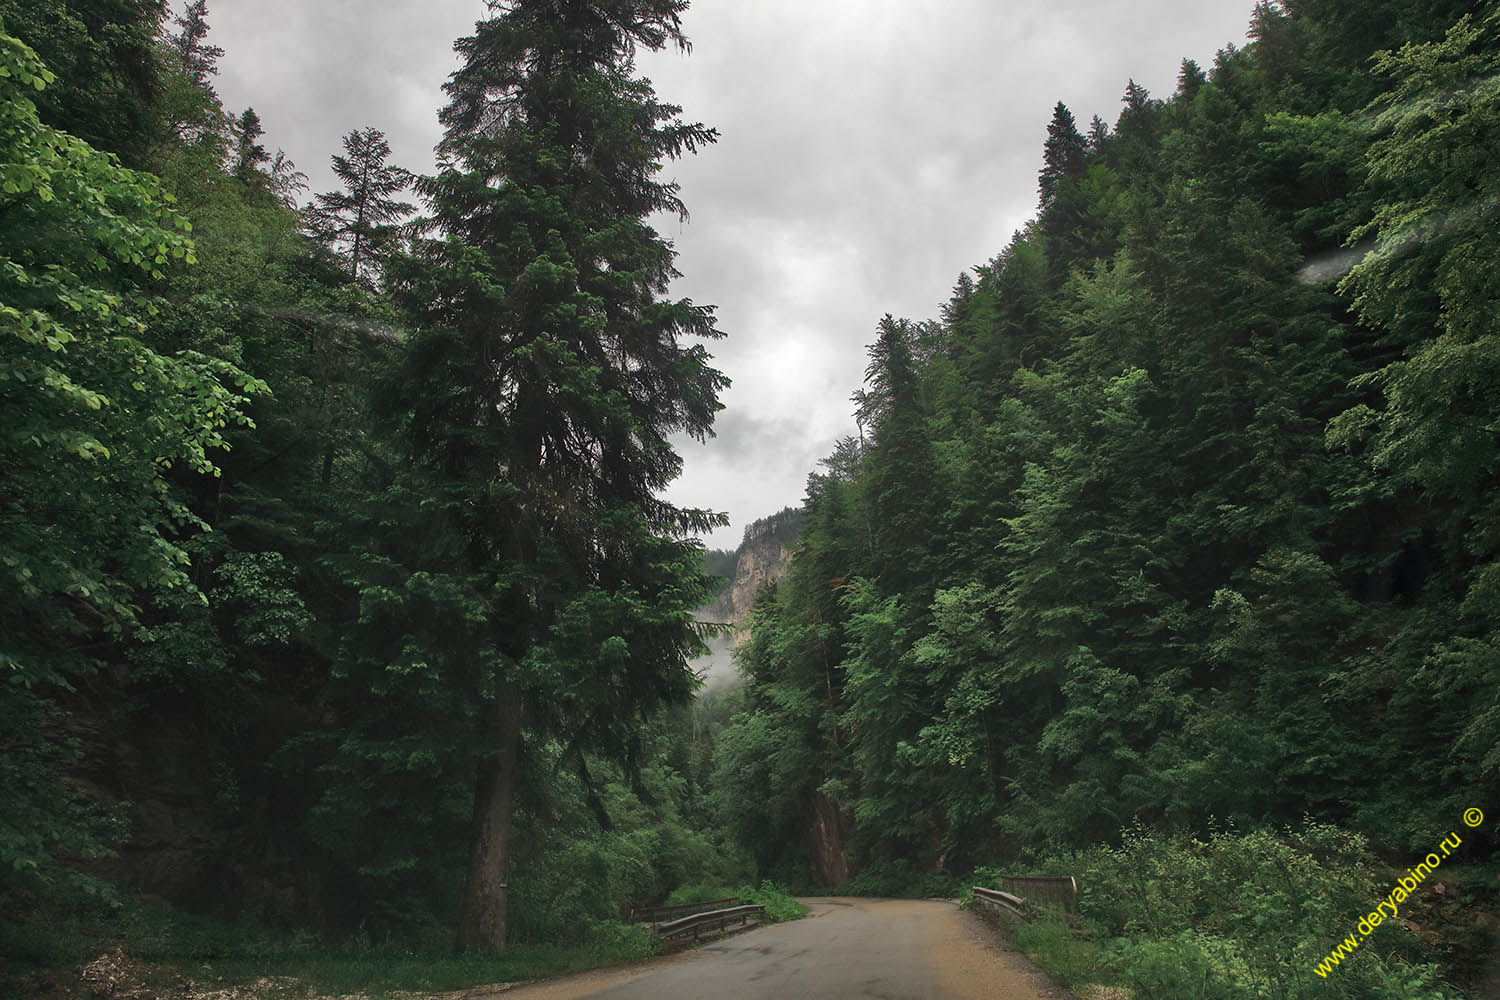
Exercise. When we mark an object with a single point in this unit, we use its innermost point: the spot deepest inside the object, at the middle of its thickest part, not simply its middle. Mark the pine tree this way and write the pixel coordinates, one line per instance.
(249, 155)
(1190, 78)
(539, 401)
(357, 221)
(197, 58)
(1063, 154)
(1138, 108)
(899, 473)
(1098, 135)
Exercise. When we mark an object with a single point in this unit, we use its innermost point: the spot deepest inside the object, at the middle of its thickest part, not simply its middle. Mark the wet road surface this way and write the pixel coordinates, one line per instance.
(845, 948)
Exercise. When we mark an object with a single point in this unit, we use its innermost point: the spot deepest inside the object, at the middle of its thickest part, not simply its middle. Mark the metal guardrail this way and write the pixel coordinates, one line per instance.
(1048, 890)
(659, 914)
(1002, 902)
(1030, 891)
(715, 919)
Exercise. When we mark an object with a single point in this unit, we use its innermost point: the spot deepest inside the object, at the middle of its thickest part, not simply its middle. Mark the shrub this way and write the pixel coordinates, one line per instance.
(896, 879)
(1238, 916)
(698, 892)
(778, 902)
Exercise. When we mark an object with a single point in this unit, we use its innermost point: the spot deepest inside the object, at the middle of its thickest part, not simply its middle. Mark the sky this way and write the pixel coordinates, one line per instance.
(869, 152)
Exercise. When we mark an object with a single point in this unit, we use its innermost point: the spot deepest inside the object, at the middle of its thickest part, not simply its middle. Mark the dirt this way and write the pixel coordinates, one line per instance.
(974, 960)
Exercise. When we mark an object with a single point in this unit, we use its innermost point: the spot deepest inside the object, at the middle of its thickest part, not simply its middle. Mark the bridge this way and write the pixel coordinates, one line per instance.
(844, 948)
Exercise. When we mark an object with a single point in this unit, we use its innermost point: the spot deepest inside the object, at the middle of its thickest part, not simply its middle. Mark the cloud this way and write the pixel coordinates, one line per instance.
(870, 151)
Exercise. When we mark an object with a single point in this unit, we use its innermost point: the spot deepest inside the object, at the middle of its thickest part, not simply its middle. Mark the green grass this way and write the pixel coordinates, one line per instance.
(1068, 959)
(699, 892)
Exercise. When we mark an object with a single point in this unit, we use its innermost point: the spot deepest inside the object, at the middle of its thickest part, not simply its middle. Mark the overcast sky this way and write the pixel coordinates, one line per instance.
(870, 151)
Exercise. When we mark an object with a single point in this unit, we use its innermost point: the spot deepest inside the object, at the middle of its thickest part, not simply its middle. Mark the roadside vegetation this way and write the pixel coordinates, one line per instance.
(1237, 916)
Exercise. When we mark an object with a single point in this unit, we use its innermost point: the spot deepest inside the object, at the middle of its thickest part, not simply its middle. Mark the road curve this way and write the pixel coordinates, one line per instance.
(845, 948)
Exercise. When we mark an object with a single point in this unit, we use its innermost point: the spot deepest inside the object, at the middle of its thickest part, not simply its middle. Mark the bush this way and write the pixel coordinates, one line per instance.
(778, 902)
(698, 892)
(896, 879)
(1233, 917)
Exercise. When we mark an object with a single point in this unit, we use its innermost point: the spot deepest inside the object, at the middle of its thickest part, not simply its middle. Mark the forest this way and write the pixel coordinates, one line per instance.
(341, 614)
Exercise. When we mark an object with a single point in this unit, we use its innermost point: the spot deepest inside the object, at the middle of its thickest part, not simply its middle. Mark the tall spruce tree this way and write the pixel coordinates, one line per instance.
(1098, 135)
(539, 401)
(198, 59)
(249, 153)
(1063, 154)
(358, 220)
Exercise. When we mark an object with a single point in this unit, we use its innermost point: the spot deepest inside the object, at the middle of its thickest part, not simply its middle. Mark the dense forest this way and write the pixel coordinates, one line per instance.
(1180, 521)
(338, 596)
(338, 590)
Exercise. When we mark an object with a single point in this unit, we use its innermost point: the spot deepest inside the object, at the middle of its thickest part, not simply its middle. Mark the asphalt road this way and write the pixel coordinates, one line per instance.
(846, 948)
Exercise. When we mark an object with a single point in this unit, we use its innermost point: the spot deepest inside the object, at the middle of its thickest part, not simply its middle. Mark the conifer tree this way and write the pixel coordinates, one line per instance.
(197, 58)
(1063, 154)
(249, 155)
(1190, 78)
(539, 402)
(357, 220)
(1098, 135)
(1136, 115)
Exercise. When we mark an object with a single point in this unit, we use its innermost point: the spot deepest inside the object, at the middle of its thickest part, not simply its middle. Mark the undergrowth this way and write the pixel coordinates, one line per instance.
(779, 903)
(1238, 916)
(173, 952)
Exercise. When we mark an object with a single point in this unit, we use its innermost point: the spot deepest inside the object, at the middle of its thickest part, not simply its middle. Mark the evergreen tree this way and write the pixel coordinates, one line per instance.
(1190, 78)
(1138, 106)
(899, 459)
(249, 155)
(1136, 131)
(540, 399)
(1098, 135)
(1063, 154)
(198, 59)
(357, 221)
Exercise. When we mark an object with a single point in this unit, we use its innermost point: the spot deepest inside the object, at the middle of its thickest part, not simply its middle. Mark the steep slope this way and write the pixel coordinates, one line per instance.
(764, 555)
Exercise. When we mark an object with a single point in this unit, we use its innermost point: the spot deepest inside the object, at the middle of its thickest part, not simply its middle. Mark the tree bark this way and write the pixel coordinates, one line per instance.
(829, 856)
(482, 927)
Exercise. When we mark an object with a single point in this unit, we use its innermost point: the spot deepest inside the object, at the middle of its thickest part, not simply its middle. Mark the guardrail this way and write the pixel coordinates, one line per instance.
(1051, 890)
(716, 919)
(1004, 903)
(658, 914)
(1027, 893)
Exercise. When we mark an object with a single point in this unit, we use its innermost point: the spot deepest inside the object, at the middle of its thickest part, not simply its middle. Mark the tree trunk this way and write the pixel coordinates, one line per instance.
(828, 856)
(482, 927)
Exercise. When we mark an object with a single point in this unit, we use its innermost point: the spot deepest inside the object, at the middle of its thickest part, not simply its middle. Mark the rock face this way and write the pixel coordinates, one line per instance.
(758, 564)
(764, 555)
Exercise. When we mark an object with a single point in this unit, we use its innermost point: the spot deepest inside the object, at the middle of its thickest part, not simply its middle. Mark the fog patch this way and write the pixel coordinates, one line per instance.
(716, 667)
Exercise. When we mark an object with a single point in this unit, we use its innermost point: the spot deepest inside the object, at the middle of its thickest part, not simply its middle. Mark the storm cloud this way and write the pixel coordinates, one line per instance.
(869, 152)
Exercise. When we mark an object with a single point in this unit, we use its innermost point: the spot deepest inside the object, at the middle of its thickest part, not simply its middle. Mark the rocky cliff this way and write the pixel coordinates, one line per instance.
(765, 554)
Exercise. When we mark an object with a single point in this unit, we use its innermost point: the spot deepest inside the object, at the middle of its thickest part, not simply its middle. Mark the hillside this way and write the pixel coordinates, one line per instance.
(763, 556)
